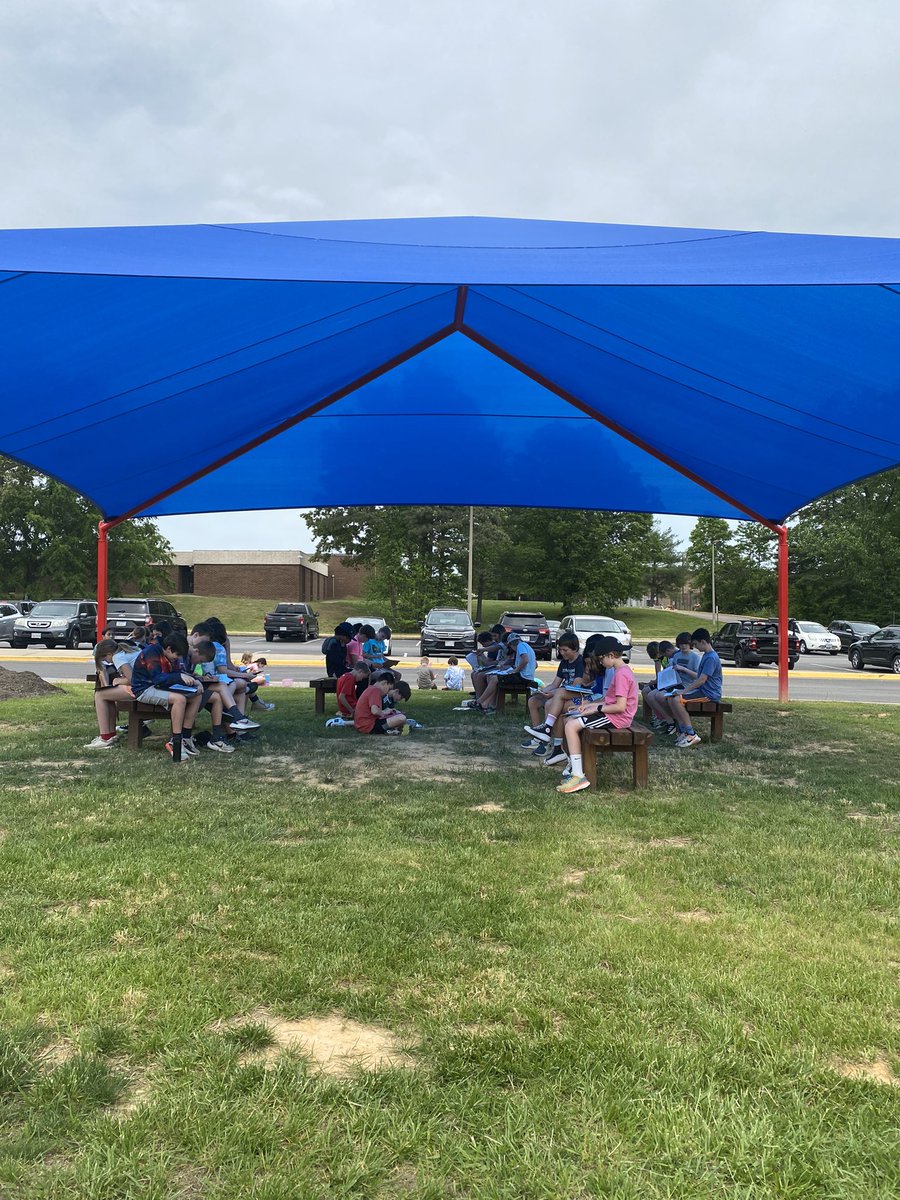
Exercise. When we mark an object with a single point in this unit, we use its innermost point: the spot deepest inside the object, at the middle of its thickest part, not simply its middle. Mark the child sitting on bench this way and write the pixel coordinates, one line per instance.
(615, 711)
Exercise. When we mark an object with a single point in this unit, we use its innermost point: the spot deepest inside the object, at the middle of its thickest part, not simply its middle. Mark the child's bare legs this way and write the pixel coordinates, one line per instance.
(395, 721)
(658, 704)
(479, 683)
(105, 706)
(488, 698)
(573, 730)
(239, 688)
(537, 701)
(679, 714)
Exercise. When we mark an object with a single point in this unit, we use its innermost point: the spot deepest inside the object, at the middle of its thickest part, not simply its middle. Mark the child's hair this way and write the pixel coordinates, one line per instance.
(204, 629)
(357, 628)
(260, 662)
(683, 639)
(219, 632)
(361, 666)
(700, 635)
(205, 652)
(162, 629)
(451, 662)
(590, 646)
(176, 642)
(592, 665)
(246, 657)
(366, 631)
(402, 689)
(485, 639)
(384, 634)
(103, 649)
(665, 649)
(568, 639)
(425, 659)
(344, 629)
(653, 651)
(498, 630)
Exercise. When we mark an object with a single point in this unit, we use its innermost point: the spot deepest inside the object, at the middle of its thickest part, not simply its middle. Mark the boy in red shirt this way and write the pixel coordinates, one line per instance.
(346, 690)
(372, 717)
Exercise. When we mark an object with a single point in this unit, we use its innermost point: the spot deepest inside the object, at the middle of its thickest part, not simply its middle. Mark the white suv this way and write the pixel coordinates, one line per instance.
(583, 625)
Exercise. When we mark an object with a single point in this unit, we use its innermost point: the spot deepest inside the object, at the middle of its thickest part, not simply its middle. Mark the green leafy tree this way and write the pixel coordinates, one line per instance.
(48, 541)
(709, 532)
(845, 553)
(664, 569)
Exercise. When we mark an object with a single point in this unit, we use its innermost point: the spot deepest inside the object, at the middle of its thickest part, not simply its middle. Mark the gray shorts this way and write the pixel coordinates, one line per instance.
(154, 695)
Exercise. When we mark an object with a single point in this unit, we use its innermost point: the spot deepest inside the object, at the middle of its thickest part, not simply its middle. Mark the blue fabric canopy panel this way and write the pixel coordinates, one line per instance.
(682, 371)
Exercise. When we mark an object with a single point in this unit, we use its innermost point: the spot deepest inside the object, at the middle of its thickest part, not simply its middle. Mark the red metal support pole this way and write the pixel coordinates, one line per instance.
(783, 613)
(102, 574)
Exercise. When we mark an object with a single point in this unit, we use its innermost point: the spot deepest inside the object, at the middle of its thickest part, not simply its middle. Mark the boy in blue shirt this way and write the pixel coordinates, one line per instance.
(706, 685)
(523, 667)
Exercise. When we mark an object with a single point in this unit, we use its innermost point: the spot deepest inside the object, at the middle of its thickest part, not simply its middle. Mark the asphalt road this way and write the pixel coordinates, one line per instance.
(816, 676)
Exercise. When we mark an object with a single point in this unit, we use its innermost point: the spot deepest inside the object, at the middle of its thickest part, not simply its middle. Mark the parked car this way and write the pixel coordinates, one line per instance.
(534, 629)
(376, 623)
(752, 642)
(584, 624)
(447, 631)
(124, 612)
(52, 622)
(553, 626)
(9, 611)
(851, 631)
(291, 620)
(625, 629)
(815, 638)
(878, 649)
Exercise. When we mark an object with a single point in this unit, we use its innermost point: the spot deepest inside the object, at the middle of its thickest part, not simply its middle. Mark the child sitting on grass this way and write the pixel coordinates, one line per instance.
(425, 676)
(352, 681)
(372, 717)
(453, 676)
(615, 711)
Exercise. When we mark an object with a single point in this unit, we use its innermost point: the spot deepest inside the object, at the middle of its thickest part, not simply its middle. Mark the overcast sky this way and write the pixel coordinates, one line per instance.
(747, 114)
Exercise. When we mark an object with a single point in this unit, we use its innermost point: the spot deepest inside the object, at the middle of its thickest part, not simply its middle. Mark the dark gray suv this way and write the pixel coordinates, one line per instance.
(447, 631)
(57, 623)
(124, 612)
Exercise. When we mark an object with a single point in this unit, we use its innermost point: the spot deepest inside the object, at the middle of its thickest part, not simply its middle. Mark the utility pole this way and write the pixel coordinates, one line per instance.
(715, 610)
(471, 531)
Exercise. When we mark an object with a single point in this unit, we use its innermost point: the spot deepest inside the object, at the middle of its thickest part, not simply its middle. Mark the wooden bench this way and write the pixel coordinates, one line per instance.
(714, 709)
(634, 741)
(514, 688)
(326, 684)
(138, 713)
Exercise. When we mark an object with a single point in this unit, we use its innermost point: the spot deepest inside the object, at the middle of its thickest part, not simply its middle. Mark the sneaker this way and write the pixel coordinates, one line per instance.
(530, 743)
(576, 784)
(245, 723)
(539, 732)
(541, 750)
(146, 730)
(222, 747)
(183, 757)
(264, 704)
(404, 731)
(556, 758)
(668, 730)
(99, 744)
(689, 739)
(188, 747)
(488, 712)
(471, 704)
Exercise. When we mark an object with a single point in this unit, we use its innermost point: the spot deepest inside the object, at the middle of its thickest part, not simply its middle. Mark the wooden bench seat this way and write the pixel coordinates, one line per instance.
(714, 709)
(138, 713)
(324, 685)
(634, 741)
(513, 688)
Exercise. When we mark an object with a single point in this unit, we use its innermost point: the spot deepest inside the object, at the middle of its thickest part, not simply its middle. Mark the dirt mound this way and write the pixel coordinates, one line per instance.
(16, 685)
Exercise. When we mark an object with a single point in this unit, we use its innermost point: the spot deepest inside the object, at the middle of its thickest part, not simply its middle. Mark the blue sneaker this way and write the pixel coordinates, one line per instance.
(541, 749)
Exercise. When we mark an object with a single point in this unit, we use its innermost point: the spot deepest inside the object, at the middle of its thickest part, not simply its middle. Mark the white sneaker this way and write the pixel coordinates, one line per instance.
(266, 705)
(99, 744)
(689, 739)
(246, 723)
(188, 747)
(222, 747)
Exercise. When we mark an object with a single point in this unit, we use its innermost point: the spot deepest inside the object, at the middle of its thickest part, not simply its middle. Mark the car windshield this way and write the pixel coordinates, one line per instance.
(449, 618)
(812, 627)
(861, 627)
(137, 608)
(530, 618)
(54, 609)
(595, 624)
(291, 608)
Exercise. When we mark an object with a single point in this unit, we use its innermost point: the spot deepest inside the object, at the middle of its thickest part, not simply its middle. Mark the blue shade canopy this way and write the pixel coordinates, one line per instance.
(708, 372)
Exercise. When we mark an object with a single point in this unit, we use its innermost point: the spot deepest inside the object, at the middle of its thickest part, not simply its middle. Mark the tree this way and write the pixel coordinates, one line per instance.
(664, 569)
(48, 536)
(708, 532)
(845, 553)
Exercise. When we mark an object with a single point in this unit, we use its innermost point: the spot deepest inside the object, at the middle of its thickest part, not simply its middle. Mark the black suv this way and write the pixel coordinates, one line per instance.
(290, 620)
(69, 622)
(124, 612)
(879, 649)
(534, 630)
(447, 631)
(851, 631)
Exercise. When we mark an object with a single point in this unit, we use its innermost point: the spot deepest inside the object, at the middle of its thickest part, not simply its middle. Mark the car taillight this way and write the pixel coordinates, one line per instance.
(752, 644)
(543, 631)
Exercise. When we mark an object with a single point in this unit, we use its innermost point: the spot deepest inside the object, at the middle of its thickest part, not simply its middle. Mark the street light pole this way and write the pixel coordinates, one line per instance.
(471, 531)
(715, 610)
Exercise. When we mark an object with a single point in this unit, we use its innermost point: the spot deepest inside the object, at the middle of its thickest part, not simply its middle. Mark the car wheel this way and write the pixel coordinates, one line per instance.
(895, 664)
(738, 656)
(72, 640)
(303, 635)
(856, 661)
(18, 645)
(792, 664)
(803, 649)
(270, 637)
(422, 651)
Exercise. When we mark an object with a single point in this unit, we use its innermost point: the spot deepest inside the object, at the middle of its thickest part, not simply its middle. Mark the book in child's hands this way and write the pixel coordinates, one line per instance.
(577, 687)
(182, 687)
(667, 680)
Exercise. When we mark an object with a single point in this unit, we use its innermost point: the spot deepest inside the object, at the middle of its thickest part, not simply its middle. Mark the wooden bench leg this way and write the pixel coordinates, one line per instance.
(640, 766)
(135, 731)
(716, 727)
(589, 761)
(320, 700)
(501, 700)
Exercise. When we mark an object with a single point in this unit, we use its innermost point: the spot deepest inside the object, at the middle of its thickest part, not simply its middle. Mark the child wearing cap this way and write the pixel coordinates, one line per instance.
(705, 685)
(522, 668)
(615, 711)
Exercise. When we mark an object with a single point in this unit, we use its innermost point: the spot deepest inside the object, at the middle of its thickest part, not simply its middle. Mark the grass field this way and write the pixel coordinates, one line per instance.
(246, 616)
(688, 992)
